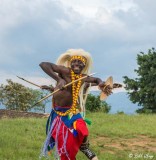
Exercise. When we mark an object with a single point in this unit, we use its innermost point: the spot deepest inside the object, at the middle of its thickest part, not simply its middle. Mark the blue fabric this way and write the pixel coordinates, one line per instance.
(67, 122)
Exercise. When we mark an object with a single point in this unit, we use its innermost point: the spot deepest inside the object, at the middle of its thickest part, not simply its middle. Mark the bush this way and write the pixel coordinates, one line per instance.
(15, 96)
(120, 112)
(94, 104)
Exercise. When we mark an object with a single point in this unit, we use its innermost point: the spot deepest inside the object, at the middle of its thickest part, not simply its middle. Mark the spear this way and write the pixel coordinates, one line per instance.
(29, 82)
(62, 87)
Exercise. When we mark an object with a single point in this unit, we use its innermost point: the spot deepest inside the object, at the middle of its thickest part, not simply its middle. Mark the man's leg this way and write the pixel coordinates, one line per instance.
(86, 150)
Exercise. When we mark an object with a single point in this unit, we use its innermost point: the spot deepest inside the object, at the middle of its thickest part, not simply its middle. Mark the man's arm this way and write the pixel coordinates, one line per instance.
(101, 84)
(94, 80)
(51, 69)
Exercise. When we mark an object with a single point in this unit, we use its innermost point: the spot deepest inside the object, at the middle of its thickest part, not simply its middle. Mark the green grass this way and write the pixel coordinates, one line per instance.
(21, 139)
(123, 125)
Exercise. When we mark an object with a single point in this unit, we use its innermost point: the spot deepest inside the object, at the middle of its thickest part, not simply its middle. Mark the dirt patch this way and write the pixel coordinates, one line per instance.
(4, 113)
(141, 143)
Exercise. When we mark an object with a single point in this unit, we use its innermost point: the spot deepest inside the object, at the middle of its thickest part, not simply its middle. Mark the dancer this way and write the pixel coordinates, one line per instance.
(68, 131)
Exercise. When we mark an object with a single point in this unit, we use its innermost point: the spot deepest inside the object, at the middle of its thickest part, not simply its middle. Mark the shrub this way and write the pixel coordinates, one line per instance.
(94, 104)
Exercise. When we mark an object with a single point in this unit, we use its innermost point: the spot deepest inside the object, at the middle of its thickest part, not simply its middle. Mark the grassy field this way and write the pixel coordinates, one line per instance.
(112, 137)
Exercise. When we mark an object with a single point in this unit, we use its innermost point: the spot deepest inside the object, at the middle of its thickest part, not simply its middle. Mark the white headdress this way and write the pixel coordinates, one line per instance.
(64, 60)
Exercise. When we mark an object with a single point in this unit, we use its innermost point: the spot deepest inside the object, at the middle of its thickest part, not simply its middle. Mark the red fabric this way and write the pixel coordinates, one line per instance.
(73, 143)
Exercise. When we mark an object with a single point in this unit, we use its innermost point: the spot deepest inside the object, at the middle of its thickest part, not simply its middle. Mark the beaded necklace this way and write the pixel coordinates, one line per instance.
(75, 93)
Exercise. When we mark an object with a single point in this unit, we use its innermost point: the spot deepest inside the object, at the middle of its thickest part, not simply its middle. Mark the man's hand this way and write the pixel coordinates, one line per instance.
(47, 88)
(107, 89)
(61, 83)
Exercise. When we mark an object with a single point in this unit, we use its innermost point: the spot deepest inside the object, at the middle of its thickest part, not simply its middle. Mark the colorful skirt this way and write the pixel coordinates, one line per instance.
(64, 135)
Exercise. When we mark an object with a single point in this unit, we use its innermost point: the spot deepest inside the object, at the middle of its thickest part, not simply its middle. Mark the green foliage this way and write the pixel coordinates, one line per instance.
(142, 90)
(120, 112)
(17, 97)
(94, 104)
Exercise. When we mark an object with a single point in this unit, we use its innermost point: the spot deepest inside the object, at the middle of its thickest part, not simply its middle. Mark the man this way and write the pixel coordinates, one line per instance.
(68, 131)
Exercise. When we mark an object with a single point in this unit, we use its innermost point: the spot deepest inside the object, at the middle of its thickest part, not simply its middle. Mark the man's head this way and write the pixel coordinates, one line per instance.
(78, 60)
(77, 64)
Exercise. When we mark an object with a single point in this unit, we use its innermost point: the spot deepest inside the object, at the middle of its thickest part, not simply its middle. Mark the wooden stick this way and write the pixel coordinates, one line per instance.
(29, 82)
(60, 89)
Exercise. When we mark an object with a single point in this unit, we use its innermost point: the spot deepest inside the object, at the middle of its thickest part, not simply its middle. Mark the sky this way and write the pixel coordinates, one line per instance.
(113, 31)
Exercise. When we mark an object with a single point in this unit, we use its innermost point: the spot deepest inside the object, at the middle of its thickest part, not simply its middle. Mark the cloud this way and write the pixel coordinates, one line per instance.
(31, 30)
(88, 8)
(147, 10)
(40, 30)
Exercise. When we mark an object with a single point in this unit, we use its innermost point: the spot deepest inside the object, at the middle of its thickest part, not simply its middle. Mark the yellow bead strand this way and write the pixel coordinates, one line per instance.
(75, 94)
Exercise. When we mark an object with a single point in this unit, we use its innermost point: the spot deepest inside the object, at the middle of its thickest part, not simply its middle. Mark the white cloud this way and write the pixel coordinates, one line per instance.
(113, 31)
(64, 23)
(14, 13)
(89, 8)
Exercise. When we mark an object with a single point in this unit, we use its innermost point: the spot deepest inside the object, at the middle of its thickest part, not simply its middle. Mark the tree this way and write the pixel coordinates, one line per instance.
(142, 90)
(94, 104)
(17, 97)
